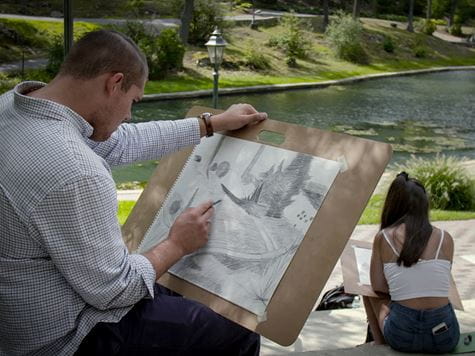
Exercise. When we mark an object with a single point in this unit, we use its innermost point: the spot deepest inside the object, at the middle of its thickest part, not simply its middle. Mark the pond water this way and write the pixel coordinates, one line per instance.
(422, 114)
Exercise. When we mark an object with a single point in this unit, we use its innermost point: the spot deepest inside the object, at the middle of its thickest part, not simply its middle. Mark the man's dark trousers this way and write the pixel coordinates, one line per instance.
(170, 325)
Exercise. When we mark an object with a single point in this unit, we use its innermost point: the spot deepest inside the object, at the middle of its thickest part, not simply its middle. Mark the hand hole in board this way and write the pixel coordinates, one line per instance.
(274, 138)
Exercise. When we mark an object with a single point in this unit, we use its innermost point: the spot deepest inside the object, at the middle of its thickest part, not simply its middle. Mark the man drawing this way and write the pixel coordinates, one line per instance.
(67, 282)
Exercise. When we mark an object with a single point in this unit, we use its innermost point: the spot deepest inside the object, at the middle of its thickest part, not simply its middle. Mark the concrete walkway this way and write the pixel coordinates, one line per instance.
(29, 64)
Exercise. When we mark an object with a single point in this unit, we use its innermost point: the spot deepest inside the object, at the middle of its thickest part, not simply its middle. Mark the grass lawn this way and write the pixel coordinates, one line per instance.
(34, 37)
(371, 214)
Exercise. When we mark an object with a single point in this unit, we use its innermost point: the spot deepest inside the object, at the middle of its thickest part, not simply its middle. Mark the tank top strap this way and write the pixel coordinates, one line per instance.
(389, 243)
(440, 244)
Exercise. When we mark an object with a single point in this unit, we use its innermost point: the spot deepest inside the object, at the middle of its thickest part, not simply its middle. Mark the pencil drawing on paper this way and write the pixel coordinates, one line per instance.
(269, 197)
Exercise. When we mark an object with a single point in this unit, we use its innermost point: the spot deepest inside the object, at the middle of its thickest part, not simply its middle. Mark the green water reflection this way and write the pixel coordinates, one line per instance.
(422, 114)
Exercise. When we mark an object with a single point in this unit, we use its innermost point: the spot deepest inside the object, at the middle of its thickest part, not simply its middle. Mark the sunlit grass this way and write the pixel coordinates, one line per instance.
(125, 207)
(371, 215)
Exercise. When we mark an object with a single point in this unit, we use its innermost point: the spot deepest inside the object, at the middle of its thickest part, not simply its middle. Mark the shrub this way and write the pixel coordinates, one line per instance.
(445, 180)
(293, 41)
(291, 61)
(345, 37)
(256, 60)
(39, 75)
(273, 41)
(441, 22)
(55, 55)
(456, 30)
(244, 6)
(458, 19)
(428, 27)
(388, 44)
(419, 51)
(7, 82)
(171, 49)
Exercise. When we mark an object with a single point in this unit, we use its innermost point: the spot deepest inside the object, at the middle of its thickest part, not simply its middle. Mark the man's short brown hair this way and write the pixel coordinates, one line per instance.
(106, 51)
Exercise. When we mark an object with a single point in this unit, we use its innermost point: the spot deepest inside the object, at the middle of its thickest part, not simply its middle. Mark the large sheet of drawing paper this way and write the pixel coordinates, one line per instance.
(268, 197)
(327, 211)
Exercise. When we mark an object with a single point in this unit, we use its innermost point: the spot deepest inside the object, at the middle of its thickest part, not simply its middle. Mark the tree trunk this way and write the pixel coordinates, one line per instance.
(186, 17)
(325, 14)
(356, 9)
(374, 7)
(410, 25)
(453, 7)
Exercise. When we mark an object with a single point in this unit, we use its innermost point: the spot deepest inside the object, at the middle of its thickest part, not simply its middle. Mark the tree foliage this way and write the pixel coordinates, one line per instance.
(164, 52)
(207, 14)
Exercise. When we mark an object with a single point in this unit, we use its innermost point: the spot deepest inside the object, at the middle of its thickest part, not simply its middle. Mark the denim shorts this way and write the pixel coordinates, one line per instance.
(425, 331)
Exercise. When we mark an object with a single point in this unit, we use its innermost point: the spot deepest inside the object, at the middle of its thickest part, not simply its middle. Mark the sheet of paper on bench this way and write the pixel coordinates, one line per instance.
(363, 262)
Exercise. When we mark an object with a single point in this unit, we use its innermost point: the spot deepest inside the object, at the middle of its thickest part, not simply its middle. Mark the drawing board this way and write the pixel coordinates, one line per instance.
(355, 264)
(267, 196)
(333, 202)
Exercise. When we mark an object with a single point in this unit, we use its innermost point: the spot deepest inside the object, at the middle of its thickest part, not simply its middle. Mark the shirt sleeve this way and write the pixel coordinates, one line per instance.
(146, 141)
(77, 226)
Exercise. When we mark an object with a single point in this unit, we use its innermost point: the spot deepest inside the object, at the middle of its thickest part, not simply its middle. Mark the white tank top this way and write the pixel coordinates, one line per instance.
(426, 278)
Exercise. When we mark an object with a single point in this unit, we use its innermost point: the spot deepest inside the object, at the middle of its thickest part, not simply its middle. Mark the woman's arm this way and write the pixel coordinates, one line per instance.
(378, 280)
(448, 247)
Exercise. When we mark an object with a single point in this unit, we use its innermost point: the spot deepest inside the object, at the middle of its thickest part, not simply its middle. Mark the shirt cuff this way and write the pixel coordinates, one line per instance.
(146, 270)
(194, 124)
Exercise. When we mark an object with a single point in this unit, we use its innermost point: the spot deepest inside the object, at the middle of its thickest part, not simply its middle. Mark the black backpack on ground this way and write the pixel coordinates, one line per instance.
(336, 298)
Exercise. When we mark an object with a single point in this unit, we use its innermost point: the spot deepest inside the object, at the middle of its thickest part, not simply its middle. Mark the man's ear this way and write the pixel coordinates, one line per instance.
(114, 83)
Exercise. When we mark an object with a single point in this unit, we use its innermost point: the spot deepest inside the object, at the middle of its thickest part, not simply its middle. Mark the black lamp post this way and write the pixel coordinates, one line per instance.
(215, 47)
(68, 25)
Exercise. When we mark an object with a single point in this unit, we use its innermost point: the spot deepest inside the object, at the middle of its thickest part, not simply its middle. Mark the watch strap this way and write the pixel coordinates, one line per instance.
(206, 117)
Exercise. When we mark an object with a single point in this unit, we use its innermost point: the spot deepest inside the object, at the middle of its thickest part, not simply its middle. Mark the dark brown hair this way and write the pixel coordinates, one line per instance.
(407, 203)
(106, 51)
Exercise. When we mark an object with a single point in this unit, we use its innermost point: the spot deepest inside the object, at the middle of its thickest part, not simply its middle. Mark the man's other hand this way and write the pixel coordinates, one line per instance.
(237, 116)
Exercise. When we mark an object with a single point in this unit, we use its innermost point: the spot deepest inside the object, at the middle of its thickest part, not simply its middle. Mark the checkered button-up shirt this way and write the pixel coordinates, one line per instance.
(63, 264)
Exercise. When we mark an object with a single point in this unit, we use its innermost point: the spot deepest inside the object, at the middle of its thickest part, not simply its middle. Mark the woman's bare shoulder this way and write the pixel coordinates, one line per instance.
(447, 248)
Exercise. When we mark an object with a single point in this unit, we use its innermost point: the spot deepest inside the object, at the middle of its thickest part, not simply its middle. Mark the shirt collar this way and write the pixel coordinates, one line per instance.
(47, 108)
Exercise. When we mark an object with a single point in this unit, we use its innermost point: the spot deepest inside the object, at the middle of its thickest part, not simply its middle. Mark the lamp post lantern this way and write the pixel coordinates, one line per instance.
(215, 45)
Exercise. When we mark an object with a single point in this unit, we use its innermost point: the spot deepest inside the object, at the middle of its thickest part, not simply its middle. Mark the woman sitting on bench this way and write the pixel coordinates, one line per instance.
(410, 271)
